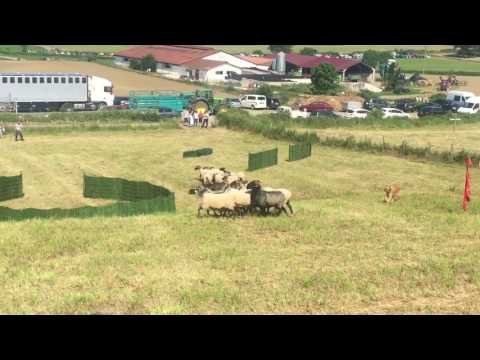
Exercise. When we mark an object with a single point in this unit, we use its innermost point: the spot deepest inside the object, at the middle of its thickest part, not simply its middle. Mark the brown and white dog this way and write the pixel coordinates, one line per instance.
(392, 193)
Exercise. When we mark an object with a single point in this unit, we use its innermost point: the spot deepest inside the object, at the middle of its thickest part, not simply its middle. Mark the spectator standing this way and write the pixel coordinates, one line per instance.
(2, 131)
(18, 131)
(200, 118)
(192, 119)
(205, 120)
(195, 117)
(185, 116)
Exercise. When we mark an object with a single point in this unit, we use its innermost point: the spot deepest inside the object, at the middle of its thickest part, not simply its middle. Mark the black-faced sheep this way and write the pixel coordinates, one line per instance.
(266, 199)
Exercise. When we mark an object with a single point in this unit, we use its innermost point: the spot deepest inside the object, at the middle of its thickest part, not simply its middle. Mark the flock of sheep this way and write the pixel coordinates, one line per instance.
(227, 193)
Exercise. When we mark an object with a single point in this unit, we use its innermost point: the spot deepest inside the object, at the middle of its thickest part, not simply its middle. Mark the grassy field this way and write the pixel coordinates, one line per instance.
(440, 138)
(333, 48)
(440, 66)
(240, 48)
(90, 48)
(343, 251)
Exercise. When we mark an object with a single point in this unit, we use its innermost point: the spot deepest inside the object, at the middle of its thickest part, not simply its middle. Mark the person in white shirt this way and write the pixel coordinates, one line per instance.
(195, 116)
(192, 119)
(205, 120)
(18, 131)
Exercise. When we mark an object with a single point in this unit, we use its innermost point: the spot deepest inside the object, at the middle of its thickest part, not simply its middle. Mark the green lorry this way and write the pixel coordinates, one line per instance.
(201, 100)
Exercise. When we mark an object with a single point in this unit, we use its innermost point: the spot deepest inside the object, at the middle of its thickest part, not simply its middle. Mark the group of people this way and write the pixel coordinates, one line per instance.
(193, 118)
(18, 131)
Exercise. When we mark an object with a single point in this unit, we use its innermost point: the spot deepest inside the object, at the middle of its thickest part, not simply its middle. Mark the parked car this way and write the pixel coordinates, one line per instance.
(164, 111)
(323, 113)
(406, 105)
(375, 104)
(273, 103)
(319, 105)
(233, 103)
(431, 109)
(254, 102)
(391, 113)
(357, 113)
(295, 114)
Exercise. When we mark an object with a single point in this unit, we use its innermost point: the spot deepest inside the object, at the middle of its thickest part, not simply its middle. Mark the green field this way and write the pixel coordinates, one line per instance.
(333, 48)
(91, 48)
(343, 251)
(241, 48)
(440, 66)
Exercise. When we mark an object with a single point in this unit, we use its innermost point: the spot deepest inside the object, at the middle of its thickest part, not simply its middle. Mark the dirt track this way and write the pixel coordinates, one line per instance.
(123, 80)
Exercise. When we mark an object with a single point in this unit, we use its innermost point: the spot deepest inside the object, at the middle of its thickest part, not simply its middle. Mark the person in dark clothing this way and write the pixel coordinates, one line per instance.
(205, 120)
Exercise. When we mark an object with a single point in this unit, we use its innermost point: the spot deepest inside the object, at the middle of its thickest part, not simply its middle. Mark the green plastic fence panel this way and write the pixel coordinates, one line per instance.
(198, 153)
(299, 151)
(11, 187)
(139, 198)
(262, 159)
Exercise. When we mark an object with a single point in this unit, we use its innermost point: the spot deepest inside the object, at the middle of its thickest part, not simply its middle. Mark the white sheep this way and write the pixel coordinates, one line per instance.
(210, 201)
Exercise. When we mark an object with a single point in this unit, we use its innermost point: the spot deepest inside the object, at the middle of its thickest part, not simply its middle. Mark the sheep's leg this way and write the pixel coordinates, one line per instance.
(290, 207)
(198, 211)
(284, 208)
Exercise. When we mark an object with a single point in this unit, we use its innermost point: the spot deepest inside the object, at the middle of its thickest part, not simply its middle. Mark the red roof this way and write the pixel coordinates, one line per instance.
(308, 61)
(202, 64)
(170, 54)
(257, 60)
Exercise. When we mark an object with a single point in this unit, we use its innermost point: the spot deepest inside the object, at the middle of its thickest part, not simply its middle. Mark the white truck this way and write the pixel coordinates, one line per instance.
(38, 92)
(295, 114)
(471, 106)
(456, 99)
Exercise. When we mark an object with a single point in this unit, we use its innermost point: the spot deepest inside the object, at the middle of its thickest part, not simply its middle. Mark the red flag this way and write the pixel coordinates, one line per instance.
(467, 194)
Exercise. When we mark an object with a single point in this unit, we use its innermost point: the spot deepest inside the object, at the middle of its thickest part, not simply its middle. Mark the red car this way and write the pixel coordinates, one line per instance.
(316, 106)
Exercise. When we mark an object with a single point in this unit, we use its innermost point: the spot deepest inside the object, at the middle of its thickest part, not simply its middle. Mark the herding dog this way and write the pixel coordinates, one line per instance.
(392, 193)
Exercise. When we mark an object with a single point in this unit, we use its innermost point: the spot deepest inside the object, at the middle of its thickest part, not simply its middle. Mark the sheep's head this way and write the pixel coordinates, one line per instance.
(198, 167)
(255, 184)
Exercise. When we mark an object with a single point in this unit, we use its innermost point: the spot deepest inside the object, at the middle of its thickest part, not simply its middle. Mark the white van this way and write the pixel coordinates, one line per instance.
(457, 99)
(254, 102)
(471, 106)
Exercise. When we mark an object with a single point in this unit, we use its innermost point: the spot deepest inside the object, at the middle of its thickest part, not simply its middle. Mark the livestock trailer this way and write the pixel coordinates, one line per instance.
(34, 92)
(199, 100)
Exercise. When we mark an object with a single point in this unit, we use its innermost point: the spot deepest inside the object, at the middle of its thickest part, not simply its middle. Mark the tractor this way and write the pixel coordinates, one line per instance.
(201, 100)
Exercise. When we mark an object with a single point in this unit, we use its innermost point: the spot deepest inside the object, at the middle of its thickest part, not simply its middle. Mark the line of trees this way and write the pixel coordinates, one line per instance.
(467, 50)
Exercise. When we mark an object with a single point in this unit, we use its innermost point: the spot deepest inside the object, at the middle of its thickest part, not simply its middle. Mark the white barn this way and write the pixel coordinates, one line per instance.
(187, 61)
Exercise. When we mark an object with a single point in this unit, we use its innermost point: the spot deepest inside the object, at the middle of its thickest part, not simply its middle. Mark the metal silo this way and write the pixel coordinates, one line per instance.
(281, 62)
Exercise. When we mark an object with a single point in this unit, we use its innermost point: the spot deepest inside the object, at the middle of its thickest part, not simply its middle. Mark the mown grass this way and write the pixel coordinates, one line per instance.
(440, 66)
(264, 48)
(282, 127)
(343, 251)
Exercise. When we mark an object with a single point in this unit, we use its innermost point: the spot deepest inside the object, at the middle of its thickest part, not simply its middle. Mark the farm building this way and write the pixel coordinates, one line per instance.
(349, 70)
(188, 61)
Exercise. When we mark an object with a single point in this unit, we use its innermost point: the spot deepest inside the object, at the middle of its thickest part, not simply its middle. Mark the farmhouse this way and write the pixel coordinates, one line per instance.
(188, 61)
(349, 70)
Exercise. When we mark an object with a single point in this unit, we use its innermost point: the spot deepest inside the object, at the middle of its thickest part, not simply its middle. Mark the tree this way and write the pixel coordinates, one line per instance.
(24, 48)
(258, 52)
(325, 80)
(149, 63)
(393, 77)
(308, 51)
(375, 58)
(278, 48)
(135, 65)
(265, 90)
